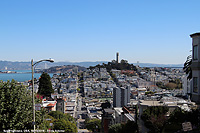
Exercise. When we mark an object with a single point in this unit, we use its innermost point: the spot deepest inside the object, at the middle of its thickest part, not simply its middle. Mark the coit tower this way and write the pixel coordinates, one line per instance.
(117, 57)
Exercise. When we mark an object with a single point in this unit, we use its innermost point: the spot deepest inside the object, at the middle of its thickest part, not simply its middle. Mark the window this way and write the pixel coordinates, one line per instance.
(195, 52)
(195, 84)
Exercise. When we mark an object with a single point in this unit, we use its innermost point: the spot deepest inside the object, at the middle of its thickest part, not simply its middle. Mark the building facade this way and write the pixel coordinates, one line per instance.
(195, 87)
(121, 96)
(116, 97)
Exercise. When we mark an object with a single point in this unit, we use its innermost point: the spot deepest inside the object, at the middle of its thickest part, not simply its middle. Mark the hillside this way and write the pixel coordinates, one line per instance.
(62, 69)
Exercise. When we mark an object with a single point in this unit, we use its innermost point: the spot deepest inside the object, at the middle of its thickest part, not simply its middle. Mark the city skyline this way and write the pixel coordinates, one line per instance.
(77, 31)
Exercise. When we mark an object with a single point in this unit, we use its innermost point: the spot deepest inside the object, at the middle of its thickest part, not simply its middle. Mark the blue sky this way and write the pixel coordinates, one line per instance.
(148, 31)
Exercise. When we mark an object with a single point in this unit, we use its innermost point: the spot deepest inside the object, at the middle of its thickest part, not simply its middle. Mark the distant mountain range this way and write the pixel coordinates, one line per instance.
(158, 65)
(9, 65)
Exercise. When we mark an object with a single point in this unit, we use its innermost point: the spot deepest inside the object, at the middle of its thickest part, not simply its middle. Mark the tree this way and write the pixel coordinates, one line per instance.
(93, 125)
(154, 118)
(45, 86)
(187, 67)
(78, 89)
(47, 119)
(63, 122)
(171, 86)
(116, 128)
(179, 116)
(129, 127)
(61, 115)
(161, 85)
(15, 107)
(106, 105)
(177, 82)
(149, 93)
(123, 65)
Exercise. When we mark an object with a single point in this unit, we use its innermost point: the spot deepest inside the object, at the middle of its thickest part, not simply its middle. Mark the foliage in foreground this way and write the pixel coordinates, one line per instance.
(63, 121)
(93, 125)
(15, 106)
(156, 121)
(129, 127)
(179, 116)
(154, 118)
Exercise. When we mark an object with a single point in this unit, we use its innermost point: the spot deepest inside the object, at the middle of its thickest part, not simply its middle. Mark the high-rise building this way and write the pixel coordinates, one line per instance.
(121, 96)
(128, 93)
(116, 97)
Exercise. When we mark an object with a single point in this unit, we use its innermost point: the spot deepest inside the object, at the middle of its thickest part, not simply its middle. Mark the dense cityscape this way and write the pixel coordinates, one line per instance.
(99, 66)
(110, 98)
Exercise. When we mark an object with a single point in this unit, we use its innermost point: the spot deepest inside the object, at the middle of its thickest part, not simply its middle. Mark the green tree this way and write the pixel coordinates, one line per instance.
(123, 65)
(171, 86)
(116, 128)
(154, 118)
(93, 125)
(161, 85)
(15, 106)
(58, 115)
(149, 93)
(106, 105)
(63, 122)
(129, 127)
(47, 119)
(16, 111)
(45, 86)
(178, 116)
(78, 89)
(177, 82)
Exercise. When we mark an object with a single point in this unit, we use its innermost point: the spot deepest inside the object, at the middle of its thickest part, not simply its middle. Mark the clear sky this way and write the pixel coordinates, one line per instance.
(148, 31)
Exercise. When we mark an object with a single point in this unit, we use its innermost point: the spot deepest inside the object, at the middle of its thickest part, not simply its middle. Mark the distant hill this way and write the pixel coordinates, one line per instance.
(158, 65)
(123, 65)
(62, 69)
(27, 65)
(9, 65)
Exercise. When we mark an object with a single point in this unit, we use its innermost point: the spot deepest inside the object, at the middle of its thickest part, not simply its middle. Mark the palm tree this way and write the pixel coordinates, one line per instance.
(187, 67)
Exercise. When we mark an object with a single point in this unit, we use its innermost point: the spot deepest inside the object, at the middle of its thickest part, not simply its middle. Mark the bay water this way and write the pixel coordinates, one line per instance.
(20, 75)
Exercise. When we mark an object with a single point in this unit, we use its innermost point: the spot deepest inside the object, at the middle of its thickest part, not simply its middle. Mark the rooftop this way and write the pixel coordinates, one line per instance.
(195, 34)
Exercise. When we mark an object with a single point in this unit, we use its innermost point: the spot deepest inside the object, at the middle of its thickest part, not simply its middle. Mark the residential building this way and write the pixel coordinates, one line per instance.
(186, 84)
(60, 106)
(121, 96)
(107, 119)
(116, 97)
(195, 89)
